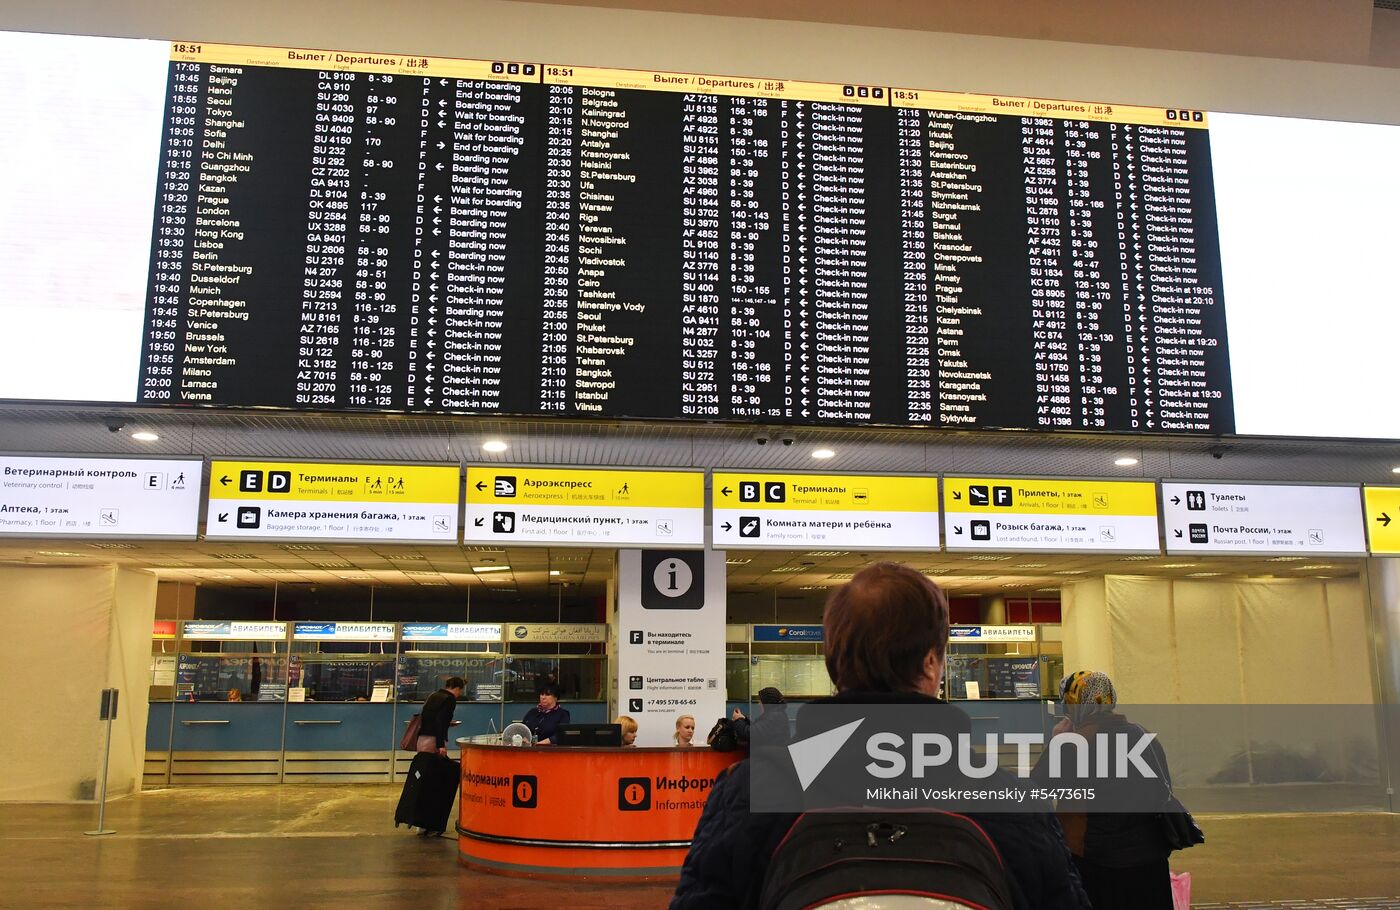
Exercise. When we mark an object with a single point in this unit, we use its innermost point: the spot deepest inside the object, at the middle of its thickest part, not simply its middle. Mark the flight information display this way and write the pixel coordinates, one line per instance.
(380, 232)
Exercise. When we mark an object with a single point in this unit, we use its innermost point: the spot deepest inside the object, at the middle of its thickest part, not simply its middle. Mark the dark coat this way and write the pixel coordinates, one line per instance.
(546, 725)
(731, 848)
(436, 717)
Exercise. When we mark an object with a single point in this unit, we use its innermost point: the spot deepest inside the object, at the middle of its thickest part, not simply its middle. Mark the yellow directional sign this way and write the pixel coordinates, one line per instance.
(867, 511)
(328, 501)
(585, 507)
(1383, 520)
(1008, 513)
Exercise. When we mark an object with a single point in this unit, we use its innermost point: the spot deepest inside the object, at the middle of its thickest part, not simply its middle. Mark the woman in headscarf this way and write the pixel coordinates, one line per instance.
(1122, 856)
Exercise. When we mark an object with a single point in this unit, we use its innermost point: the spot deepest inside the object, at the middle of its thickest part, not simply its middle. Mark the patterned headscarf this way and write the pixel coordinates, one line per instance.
(1088, 692)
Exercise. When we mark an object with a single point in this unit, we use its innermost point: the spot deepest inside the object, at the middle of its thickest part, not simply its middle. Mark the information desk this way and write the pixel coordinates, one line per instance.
(615, 814)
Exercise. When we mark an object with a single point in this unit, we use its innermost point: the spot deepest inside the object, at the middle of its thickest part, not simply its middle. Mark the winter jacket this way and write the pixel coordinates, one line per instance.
(731, 847)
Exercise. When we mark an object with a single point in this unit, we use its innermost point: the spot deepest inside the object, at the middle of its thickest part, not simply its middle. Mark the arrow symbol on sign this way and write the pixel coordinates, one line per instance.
(479, 522)
(727, 526)
(1177, 532)
(224, 480)
(957, 529)
(725, 490)
(957, 495)
(480, 485)
(1384, 519)
(223, 516)
(1176, 500)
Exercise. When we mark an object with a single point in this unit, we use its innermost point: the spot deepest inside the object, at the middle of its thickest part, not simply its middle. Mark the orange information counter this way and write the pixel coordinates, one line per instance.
(583, 813)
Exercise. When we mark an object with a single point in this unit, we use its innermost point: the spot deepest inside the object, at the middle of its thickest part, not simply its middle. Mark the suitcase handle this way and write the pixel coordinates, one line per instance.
(309, 723)
(202, 723)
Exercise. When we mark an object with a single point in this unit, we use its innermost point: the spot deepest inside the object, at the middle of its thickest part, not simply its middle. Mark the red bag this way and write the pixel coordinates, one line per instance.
(409, 743)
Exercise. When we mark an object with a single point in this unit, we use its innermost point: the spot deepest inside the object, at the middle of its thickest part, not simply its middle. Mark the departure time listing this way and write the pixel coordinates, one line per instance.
(374, 232)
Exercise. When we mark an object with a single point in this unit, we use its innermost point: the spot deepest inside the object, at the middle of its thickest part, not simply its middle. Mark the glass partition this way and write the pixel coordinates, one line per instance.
(231, 671)
(424, 667)
(342, 671)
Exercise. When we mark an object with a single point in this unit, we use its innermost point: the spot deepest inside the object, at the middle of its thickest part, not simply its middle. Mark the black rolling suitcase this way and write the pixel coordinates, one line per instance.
(429, 793)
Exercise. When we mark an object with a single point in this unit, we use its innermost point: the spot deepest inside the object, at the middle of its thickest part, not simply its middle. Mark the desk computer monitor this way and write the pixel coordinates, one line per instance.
(590, 735)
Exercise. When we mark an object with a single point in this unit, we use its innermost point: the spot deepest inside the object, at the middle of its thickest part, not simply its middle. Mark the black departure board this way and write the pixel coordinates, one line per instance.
(386, 233)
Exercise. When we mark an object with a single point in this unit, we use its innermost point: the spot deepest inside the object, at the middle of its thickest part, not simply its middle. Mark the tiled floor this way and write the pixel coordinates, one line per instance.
(312, 847)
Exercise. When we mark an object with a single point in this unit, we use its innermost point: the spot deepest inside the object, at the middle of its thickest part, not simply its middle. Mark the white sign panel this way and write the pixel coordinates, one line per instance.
(974, 634)
(585, 507)
(234, 630)
(99, 497)
(845, 511)
(343, 631)
(332, 501)
(451, 631)
(1263, 518)
(670, 613)
(1029, 513)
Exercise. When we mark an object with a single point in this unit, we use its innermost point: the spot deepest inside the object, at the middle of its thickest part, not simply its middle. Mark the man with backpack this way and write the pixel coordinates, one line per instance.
(886, 632)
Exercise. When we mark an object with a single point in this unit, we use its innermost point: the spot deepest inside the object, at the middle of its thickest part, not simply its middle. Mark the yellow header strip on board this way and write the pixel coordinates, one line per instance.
(823, 492)
(345, 61)
(1031, 496)
(1008, 105)
(1382, 519)
(740, 86)
(319, 482)
(585, 487)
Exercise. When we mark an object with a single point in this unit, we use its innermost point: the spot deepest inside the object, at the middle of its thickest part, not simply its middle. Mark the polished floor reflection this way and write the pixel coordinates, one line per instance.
(310, 847)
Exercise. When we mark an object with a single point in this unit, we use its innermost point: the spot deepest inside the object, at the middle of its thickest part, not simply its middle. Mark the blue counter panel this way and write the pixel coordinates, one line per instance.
(340, 727)
(250, 727)
(158, 726)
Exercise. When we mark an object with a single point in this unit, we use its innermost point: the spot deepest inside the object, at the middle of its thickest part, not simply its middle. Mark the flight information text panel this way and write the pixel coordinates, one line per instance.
(378, 232)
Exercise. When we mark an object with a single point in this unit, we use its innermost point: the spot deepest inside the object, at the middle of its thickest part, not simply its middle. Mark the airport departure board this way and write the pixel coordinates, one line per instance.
(388, 233)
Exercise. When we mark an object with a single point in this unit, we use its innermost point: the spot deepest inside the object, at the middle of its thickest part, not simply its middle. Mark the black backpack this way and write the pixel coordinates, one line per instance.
(829, 856)
(723, 736)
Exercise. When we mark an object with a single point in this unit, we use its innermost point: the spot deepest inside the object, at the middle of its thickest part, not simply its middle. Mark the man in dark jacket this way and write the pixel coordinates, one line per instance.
(436, 717)
(885, 632)
(772, 725)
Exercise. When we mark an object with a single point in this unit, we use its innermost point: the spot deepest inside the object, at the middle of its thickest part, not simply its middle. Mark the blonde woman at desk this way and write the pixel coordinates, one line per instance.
(685, 730)
(629, 730)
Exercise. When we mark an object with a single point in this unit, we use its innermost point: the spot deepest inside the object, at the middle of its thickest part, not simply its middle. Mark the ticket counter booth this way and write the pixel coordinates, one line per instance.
(430, 653)
(339, 723)
(1001, 675)
(217, 713)
(264, 702)
(789, 657)
(573, 656)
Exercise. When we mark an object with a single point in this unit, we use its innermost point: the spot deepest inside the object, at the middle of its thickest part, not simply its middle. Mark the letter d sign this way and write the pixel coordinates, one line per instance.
(279, 481)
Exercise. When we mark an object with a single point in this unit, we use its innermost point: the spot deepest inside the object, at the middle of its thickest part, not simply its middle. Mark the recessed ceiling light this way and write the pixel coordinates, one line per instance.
(1178, 565)
(1072, 572)
(1204, 574)
(1323, 566)
(494, 446)
(145, 436)
(57, 553)
(1395, 470)
(823, 453)
(1127, 461)
(555, 572)
(738, 560)
(490, 569)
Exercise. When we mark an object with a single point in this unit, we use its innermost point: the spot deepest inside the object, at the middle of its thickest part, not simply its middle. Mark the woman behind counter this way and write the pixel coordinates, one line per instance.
(685, 730)
(545, 718)
(629, 730)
